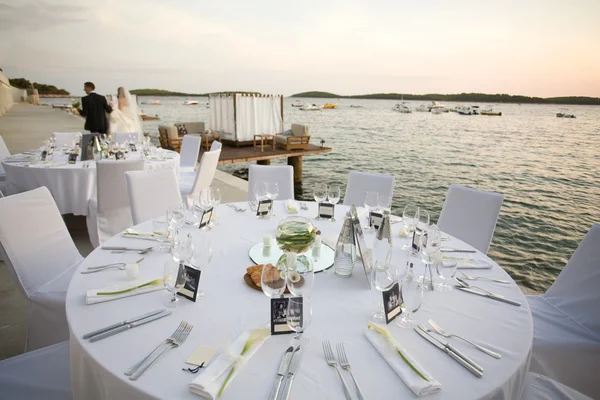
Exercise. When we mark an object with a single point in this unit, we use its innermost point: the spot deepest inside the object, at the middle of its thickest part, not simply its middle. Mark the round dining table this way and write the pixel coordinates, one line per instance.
(71, 185)
(342, 308)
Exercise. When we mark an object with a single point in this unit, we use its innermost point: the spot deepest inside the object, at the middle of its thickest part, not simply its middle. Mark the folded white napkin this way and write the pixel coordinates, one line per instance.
(92, 296)
(292, 206)
(210, 381)
(388, 350)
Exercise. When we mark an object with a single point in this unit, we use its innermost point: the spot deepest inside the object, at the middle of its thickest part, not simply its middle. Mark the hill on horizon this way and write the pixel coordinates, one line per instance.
(161, 92)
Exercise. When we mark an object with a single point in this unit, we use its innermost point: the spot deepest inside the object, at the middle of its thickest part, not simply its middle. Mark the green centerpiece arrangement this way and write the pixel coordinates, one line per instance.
(295, 234)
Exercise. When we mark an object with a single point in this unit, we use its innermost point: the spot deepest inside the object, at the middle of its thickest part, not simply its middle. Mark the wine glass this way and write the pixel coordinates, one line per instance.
(422, 221)
(408, 218)
(446, 269)
(412, 295)
(384, 203)
(160, 233)
(272, 281)
(215, 195)
(320, 194)
(333, 196)
(371, 204)
(383, 278)
(183, 248)
(300, 274)
(201, 256)
(272, 193)
(430, 248)
(260, 193)
(299, 314)
(176, 217)
(174, 278)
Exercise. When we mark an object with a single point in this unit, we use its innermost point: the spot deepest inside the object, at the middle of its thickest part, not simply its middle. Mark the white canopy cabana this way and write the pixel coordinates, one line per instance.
(238, 117)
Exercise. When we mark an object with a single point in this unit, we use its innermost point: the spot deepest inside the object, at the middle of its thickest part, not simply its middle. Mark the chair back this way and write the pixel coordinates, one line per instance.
(206, 172)
(471, 215)
(190, 148)
(122, 137)
(215, 145)
(576, 290)
(3, 150)
(359, 183)
(35, 240)
(160, 186)
(65, 138)
(282, 174)
(110, 183)
(163, 137)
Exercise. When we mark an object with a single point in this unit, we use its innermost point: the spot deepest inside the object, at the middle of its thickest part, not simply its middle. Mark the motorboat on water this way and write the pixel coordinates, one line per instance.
(329, 106)
(152, 102)
(475, 110)
(465, 110)
(309, 107)
(190, 103)
(564, 114)
(297, 104)
(422, 108)
(435, 104)
(402, 108)
(490, 112)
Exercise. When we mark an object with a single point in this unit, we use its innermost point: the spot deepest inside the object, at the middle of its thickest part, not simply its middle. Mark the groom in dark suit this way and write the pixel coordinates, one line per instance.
(94, 110)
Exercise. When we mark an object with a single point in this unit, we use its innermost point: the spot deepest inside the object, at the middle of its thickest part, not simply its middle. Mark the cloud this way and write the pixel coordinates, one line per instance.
(39, 15)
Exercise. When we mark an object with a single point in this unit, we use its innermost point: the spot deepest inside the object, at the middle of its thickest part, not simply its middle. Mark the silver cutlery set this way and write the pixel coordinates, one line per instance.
(476, 290)
(287, 369)
(120, 249)
(105, 267)
(236, 208)
(125, 325)
(345, 364)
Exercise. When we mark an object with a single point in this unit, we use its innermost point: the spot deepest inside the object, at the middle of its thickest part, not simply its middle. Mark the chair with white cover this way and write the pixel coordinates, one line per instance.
(203, 178)
(566, 321)
(282, 174)
(540, 387)
(188, 155)
(216, 145)
(471, 215)
(359, 183)
(122, 137)
(3, 154)
(109, 212)
(42, 258)
(62, 139)
(151, 193)
(40, 374)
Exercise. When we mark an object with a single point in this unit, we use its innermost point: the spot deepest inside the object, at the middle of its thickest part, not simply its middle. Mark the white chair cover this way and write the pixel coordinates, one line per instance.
(3, 154)
(65, 138)
(566, 321)
(109, 213)
(215, 145)
(190, 148)
(42, 258)
(41, 374)
(204, 176)
(471, 215)
(122, 137)
(151, 193)
(282, 174)
(361, 182)
(539, 387)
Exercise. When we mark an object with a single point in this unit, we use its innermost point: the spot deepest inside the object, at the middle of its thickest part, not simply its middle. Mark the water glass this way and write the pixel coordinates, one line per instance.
(299, 314)
(174, 278)
(301, 276)
(384, 203)
(383, 278)
(446, 269)
(422, 221)
(320, 194)
(371, 204)
(160, 233)
(333, 196)
(272, 281)
(201, 256)
(183, 248)
(409, 218)
(215, 196)
(412, 296)
(260, 191)
(176, 217)
(272, 193)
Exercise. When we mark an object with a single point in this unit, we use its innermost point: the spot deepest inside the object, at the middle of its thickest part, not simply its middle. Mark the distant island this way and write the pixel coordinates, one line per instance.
(160, 92)
(462, 97)
(43, 89)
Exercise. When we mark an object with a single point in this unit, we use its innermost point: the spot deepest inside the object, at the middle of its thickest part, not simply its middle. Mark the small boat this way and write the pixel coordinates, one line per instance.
(564, 114)
(308, 107)
(435, 104)
(152, 102)
(475, 110)
(297, 104)
(145, 117)
(422, 108)
(465, 110)
(402, 108)
(329, 106)
(489, 111)
(190, 103)
(355, 106)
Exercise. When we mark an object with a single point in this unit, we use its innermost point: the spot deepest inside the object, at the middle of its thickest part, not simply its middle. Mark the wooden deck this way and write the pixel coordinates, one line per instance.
(232, 155)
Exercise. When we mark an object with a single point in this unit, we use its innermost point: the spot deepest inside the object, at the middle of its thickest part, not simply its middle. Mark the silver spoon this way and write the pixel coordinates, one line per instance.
(474, 278)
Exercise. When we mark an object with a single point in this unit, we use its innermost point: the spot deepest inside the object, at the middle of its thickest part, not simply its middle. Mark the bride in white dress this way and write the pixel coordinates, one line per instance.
(125, 116)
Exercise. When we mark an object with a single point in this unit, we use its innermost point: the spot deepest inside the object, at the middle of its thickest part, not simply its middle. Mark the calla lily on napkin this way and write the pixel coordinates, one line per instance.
(94, 296)
(214, 380)
(408, 369)
(292, 206)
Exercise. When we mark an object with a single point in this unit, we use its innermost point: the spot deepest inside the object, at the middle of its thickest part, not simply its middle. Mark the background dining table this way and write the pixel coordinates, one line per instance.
(71, 185)
(341, 310)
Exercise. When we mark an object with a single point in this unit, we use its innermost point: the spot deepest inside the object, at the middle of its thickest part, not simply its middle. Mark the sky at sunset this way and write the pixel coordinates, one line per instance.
(536, 48)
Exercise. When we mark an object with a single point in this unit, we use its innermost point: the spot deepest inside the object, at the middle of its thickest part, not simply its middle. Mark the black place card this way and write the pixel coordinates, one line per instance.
(192, 283)
(72, 158)
(279, 325)
(44, 155)
(264, 207)
(391, 303)
(206, 218)
(415, 241)
(119, 155)
(375, 219)
(132, 147)
(365, 252)
(326, 210)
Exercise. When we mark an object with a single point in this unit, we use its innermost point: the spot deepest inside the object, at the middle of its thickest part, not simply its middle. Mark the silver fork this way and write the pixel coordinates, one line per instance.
(168, 340)
(330, 358)
(177, 341)
(474, 278)
(449, 335)
(345, 364)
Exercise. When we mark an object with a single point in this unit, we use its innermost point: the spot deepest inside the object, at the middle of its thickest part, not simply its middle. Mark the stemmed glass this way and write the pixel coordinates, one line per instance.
(272, 282)
(409, 218)
(320, 194)
(260, 192)
(383, 278)
(300, 277)
(202, 256)
(299, 314)
(384, 203)
(183, 248)
(371, 204)
(333, 196)
(412, 295)
(175, 218)
(430, 248)
(174, 278)
(272, 193)
(215, 196)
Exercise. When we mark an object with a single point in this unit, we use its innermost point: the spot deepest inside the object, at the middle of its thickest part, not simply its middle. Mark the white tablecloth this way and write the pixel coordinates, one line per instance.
(71, 185)
(341, 310)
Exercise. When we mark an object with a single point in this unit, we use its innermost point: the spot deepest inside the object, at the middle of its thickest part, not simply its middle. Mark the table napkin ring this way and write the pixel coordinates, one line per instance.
(201, 357)
(193, 370)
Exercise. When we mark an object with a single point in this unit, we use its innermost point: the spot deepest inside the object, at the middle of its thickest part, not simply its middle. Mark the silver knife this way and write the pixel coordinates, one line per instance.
(112, 265)
(121, 248)
(118, 324)
(452, 352)
(294, 364)
(490, 296)
(450, 250)
(283, 366)
(124, 328)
